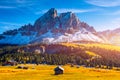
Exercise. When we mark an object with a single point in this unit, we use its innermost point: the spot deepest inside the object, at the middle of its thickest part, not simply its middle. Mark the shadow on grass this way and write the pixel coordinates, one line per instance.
(62, 74)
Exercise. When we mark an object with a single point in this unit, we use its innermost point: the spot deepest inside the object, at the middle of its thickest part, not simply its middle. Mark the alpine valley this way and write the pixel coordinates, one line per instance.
(59, 40)
(71, 42)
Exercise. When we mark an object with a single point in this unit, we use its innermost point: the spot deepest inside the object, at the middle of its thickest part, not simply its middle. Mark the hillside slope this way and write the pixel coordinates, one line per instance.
(88, 54)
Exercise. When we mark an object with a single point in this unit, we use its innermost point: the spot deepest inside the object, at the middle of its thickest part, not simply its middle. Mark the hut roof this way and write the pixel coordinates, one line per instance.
(59, 68)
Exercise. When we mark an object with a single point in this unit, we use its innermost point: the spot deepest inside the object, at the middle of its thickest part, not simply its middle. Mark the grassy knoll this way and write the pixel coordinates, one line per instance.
(45, 72)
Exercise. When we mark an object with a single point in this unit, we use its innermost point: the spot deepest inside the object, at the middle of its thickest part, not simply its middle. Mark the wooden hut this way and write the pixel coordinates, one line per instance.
(59, 70)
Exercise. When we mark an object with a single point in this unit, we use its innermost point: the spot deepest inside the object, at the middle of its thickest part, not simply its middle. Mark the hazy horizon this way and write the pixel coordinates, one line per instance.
(101, 14)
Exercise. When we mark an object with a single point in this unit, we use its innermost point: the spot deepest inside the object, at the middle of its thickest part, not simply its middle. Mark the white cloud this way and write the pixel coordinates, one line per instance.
(111, 13)
(69, 10)
(21, 1)
(111, 25)
(74, 10)
(7, 4)
(7, 27)
(104, 3)
(10, 24)
(7, 7)
(116, 22)
(116, 13)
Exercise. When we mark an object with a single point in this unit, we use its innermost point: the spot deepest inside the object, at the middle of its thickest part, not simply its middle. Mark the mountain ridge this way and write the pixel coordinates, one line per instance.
(51, 28)
(113, 36)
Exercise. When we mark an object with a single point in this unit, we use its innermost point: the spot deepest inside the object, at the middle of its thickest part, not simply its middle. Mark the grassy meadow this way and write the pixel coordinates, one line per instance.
(46, 72)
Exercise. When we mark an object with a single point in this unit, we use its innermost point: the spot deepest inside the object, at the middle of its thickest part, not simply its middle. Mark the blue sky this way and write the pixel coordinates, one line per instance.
(101, 14)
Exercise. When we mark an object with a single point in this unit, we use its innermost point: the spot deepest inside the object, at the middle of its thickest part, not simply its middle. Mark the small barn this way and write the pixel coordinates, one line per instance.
(59, 70)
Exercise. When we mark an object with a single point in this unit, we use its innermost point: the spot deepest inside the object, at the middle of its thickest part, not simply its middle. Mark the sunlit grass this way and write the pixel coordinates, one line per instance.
(45, 72)
(92, 54)
(95, 45)
(104, 46)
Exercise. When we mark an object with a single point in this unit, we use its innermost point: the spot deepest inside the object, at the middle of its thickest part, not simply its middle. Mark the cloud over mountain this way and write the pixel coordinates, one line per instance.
(104, 3)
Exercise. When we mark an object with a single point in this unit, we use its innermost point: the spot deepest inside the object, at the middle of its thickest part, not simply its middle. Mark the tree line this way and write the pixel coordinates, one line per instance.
(64, 55)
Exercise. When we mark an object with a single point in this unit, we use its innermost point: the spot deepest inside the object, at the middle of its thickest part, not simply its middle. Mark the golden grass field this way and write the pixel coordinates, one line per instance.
(46, 72)
(104, 46)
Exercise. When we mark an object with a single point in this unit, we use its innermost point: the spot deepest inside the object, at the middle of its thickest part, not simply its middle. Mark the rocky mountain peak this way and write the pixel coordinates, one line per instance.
(52, 28)
(66, 15)
(69, 21)
(50, 20)
(46, 22)
(52, 13)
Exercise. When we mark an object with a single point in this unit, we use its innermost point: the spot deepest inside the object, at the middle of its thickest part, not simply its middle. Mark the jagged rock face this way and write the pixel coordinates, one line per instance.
(26, 30)
(52, 28)
(65, 22)
(28, 27)
(69, 20)
(87, 27)
(10, 32)
(46, 22)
